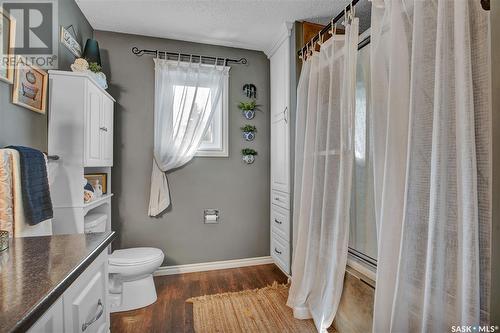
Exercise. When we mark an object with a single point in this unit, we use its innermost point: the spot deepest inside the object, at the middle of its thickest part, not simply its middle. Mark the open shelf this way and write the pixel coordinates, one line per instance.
(106, 198)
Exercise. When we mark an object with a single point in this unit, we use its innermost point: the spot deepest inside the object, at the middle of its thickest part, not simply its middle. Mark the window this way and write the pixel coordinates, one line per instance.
(215, 140)
(362, 230)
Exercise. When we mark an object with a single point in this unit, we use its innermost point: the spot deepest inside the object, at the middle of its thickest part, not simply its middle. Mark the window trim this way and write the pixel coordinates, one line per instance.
(357, 259)
(224, 151)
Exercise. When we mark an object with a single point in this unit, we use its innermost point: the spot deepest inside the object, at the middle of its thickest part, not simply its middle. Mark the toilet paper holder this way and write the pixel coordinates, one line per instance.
(211, 215)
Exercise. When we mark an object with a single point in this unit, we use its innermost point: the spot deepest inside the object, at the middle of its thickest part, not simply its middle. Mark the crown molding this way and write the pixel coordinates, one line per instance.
(285, 33)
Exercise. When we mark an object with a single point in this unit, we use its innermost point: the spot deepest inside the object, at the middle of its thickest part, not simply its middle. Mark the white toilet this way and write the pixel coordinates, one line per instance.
(131, 284)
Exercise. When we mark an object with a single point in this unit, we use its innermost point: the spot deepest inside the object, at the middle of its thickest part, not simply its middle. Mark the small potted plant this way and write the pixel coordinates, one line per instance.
(248, 109)
(97, 74)
(248, 155)
(249, 132)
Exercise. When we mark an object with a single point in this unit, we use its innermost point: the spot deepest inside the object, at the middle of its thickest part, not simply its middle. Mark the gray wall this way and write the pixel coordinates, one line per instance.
(20, 126)
(240, 191)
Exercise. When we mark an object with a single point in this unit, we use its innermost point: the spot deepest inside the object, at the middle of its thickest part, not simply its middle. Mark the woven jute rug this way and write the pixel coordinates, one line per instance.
(258, 310)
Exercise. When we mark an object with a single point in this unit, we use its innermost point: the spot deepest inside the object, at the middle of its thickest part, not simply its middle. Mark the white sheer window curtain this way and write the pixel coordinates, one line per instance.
(323, 169)
(431, 127)
(186, 94)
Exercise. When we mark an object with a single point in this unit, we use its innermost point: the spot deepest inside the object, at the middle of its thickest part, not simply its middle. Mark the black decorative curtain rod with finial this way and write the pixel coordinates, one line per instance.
(189, 57)
(485, 4)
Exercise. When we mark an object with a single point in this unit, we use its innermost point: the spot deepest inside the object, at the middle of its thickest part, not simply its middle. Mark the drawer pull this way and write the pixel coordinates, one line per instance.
(278, 221)
(96, 317)
(105, 129)
(276, 250)
(277, 198)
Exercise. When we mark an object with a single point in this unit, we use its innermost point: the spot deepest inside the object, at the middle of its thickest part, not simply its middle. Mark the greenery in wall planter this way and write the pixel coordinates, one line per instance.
(249, 132)
(248, 155)
(248, 109)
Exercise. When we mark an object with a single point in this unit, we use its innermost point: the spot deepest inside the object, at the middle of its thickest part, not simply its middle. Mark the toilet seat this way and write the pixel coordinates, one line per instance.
(135, 256)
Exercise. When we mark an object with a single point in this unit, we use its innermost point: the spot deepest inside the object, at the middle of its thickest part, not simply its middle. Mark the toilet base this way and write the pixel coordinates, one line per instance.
(134, 294)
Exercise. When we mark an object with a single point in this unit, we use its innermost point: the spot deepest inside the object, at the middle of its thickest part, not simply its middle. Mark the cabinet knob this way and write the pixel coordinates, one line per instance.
(105, 129)
(277, 198)
(278, 221)
(276, 250)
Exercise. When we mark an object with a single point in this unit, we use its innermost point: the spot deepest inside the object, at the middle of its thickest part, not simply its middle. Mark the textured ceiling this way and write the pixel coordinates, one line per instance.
(249, 24)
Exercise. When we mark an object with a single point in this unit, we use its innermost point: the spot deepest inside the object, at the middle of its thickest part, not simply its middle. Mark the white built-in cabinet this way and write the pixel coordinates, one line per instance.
(81, 134)
(99, 128)
(280, 154)
(83, 307)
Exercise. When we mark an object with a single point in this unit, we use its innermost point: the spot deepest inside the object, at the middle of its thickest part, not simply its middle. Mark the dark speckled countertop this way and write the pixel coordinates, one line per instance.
(35, 271)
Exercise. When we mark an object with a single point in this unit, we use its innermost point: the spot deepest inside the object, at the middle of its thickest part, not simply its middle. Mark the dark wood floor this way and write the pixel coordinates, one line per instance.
(171, 313)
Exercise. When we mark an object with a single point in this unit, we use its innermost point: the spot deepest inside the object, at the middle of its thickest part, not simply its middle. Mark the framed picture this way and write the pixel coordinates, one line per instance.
(7, 39)
(98, 178)
(30, 86)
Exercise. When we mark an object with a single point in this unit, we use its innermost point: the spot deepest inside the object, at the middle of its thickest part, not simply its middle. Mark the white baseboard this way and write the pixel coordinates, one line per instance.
(211, 266)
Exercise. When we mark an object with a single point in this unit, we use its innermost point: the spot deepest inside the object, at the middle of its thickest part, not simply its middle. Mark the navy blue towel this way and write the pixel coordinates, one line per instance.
(35, 185)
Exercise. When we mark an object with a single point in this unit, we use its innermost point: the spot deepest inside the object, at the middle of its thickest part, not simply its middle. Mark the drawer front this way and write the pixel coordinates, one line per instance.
(280, 222)
(85, 301)
(280, 199)
(280, 251)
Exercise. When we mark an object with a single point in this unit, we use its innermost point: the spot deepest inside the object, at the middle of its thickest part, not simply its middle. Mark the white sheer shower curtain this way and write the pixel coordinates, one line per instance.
(323, 168)
(186, 94)
(431, 112)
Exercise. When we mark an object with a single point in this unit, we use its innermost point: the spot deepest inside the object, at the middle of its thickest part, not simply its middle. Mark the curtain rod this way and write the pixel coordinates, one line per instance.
(157, 53)
(327, 27)
(485, 4)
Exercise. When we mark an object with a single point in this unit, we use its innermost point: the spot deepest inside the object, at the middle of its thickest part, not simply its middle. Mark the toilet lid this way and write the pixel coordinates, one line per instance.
(134, 256)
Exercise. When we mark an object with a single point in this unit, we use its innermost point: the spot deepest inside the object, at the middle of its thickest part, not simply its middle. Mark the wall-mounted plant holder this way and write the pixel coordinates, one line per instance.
(248, 155)
(249, 114)
(248, 109)
(249, 132)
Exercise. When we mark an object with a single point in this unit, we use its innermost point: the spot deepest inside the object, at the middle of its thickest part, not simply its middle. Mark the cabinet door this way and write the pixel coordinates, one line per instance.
(85, 301)
(106, 129)
(278, 80)
(280, 152)
(280, 119)
(92, 124)
(51, 321)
